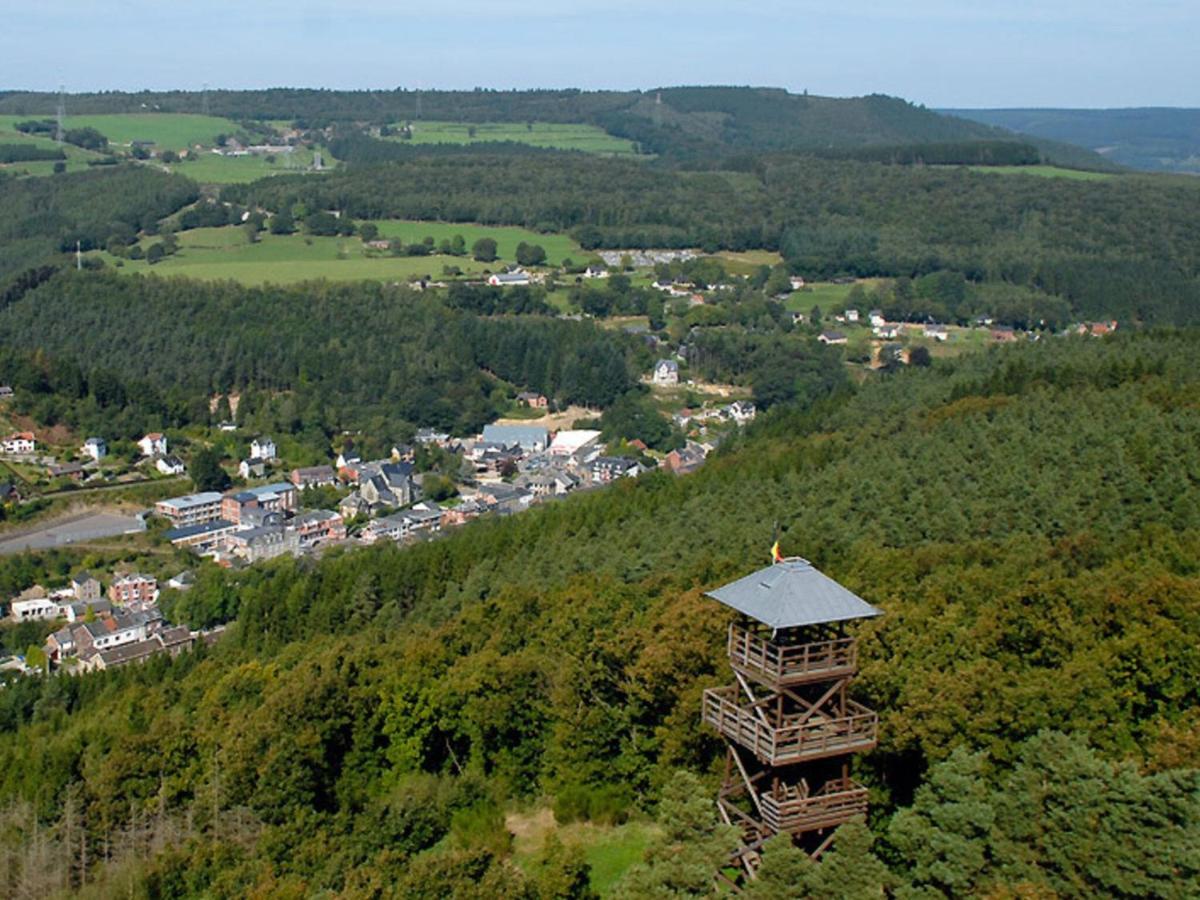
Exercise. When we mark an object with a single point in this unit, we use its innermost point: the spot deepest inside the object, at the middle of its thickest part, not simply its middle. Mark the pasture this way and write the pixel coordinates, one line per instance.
(169, 131)
(207, 167)
(216, 254)
(557, 246)
(551, 135)
(1045, 172)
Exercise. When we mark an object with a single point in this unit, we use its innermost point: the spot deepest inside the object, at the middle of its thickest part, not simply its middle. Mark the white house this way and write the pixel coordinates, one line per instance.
(153, 444)
(796, 282)
(852, 315)
(33, 609)
(595, 272)
(832, 337)
(937, 332)
(95, 448)
(666, 372)
(876, 317)
(508, 279)
(18, 443)
(262, 448)
(887, 332)
(169, 465)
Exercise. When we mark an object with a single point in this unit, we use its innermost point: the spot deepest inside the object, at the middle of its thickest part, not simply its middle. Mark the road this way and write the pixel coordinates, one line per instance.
(70, 530)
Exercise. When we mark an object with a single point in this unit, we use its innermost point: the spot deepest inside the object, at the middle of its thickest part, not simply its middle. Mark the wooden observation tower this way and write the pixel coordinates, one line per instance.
(788, 724)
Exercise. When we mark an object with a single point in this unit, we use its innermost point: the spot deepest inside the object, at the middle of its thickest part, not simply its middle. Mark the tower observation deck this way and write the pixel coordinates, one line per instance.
(788, 724)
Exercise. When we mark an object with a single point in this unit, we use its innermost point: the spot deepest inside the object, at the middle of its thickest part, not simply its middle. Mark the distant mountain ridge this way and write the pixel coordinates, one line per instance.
(1157, 139)
(677, 123)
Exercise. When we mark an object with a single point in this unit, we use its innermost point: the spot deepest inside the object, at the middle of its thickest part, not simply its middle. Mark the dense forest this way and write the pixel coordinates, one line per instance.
(680, 124)
(321, 358)
(1028, 519)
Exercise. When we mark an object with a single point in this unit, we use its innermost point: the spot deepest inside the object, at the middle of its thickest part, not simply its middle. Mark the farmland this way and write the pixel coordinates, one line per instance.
(212, 168)
(169, 131)
(1045, 172)
(551, 135)
(215, 254)
(558, 246)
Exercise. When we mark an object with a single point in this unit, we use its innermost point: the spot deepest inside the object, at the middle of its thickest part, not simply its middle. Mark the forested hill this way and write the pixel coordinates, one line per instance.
(1151, 138)
(677, 123)
(1028, 519)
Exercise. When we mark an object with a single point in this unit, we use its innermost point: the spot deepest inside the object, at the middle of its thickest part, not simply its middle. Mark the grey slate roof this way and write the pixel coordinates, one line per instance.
(793, 593)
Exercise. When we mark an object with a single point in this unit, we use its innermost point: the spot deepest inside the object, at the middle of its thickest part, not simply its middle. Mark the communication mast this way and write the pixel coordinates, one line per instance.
(60, 114)
(790, 729)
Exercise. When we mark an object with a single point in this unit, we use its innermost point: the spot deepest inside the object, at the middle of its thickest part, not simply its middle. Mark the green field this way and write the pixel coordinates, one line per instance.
(552, 135)
(216, 254)
(169, 131)
(557, 246)
(1045, 172)
(212, 168)
(825, 294)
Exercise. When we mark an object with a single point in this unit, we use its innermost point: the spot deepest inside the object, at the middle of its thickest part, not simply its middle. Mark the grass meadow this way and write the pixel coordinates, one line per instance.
(552, 135)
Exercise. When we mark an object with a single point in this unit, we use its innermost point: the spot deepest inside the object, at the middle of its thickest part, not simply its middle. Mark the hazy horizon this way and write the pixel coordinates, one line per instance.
(1019, 54)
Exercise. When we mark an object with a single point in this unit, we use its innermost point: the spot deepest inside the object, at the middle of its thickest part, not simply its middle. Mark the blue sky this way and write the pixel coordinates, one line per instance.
(936, 52)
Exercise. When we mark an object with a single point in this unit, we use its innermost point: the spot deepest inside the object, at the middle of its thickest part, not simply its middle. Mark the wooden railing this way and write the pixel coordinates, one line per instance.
(783, 664)
(790, 740)
(836, 803)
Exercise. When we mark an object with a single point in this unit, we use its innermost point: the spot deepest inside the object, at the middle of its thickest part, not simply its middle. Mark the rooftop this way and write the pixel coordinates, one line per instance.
(793, 593)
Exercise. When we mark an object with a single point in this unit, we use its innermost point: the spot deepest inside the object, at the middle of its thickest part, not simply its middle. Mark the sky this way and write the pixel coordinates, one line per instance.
(941, 53)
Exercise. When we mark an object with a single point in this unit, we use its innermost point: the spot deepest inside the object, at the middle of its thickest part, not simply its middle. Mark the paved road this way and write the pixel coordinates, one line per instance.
(70, 530)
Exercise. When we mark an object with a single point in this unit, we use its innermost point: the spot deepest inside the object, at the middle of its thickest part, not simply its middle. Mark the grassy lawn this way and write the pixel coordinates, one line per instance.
(216, 254)
(170, 131)
(557, 246)
(212, 168)
(825, 294)
(224, 253)
(1045, 172)
(610, 850)
(747, 262)
(553, 135)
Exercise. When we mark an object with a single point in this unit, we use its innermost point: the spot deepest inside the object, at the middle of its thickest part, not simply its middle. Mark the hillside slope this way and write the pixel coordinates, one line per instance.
(1155, 139)
(1029, 521)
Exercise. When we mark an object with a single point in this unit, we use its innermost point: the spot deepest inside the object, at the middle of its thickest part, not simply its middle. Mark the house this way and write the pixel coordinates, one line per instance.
(19, 443)
(267, 542)
(83, 609)
(935, 331)
(532, 399)
(595, 272)
(73, 471)
(887, 332)
(227, 426)
(202, 537)
(95, 448)
(530, 438)
(172, 641)
(609, 468)
(799, 318)
(503, 498)
(318, 526)
(353, 505)
(403, 453)
(113, 631)
(252, 468)
(688, 459)
(796, 282)
(32, 605)
(851, 315)
(170, 465)
(509, 279)
(404, 525)
(6, 392)
(277, 497)
(184, 581)
(742, 411)
(153, 444)
(312, 476)
(1003, 334)
(60, 645)
(262, 448)
(85, 587)
(133, 589)
(429, 436)
(191, 509)
(666, 372)
(829, 338)
(876, 318)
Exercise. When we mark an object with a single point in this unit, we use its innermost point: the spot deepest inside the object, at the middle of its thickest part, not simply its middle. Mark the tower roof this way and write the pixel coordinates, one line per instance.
(791, 593)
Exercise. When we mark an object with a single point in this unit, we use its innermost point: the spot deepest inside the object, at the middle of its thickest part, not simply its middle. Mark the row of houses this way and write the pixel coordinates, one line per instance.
(84, 592)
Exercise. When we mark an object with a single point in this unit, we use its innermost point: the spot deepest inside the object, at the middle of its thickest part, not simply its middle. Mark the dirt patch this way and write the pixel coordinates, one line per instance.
(556, 421)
